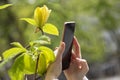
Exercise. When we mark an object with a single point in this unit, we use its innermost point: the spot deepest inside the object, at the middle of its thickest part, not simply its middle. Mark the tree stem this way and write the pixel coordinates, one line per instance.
(37, 58)
(42, 31)
(36, 67)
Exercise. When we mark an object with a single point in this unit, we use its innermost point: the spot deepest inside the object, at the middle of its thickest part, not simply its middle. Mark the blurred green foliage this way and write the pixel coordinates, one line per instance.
(92, 17)
(5, 6)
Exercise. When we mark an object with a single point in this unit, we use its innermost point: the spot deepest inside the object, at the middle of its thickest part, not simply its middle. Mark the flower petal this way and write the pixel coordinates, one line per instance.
(38, 16)
(46, 14)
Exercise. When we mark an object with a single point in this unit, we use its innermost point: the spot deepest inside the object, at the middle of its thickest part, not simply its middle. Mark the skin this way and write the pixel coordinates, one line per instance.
(78, 66)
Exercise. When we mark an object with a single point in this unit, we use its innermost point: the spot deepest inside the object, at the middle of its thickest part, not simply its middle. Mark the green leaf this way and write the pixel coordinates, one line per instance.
(28, 61)
(49, 54)
(5, 6)
(43, 40)
(12, 52)
(8, 62)
(24, 64)
(42, 67)
(50, 29)
(14, 57)
(17, 44)
(46, 57)
(16, 72)
(30, 21)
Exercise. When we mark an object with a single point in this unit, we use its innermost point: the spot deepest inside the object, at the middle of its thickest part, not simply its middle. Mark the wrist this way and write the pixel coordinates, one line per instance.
(50, 78)
(76, 78)
(85, 78)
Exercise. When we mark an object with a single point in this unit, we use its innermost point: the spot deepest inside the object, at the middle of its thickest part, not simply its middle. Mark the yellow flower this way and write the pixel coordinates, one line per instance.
(41, 15)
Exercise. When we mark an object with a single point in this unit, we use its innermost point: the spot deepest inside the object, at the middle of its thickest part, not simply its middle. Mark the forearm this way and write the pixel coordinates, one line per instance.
(51, 78)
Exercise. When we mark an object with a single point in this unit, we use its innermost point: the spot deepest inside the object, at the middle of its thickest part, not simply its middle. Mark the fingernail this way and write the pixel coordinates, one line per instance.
(62, 44)
(81, 59)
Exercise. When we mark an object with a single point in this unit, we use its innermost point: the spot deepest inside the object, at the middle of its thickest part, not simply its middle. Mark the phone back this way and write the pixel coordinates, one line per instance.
(68, 35)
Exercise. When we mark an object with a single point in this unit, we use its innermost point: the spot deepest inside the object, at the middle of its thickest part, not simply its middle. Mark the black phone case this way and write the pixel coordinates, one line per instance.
(68, 34)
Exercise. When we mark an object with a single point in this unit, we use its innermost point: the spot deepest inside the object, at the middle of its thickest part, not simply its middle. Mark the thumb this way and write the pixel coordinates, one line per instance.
(55, 68)
(60, 51)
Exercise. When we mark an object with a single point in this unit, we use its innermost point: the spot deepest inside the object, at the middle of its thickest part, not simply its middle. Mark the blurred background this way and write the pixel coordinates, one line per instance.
(97, 29)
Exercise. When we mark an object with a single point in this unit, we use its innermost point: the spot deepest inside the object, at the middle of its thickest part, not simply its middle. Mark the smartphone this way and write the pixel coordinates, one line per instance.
(68, 34)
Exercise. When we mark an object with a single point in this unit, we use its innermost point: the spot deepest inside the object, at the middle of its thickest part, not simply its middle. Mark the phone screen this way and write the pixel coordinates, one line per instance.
(68, 35)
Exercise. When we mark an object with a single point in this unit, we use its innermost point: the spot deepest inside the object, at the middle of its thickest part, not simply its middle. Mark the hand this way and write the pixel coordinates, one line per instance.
(78, 66)
(55, 68)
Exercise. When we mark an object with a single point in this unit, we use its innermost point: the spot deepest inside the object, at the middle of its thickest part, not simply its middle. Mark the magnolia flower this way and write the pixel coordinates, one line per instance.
(41, 15)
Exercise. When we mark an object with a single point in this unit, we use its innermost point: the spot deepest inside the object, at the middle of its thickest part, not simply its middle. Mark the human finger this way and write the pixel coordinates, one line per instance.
(60, 51)
(77, 47)
(56, 48)
(73, 56)
(55, 68)
(82, 64)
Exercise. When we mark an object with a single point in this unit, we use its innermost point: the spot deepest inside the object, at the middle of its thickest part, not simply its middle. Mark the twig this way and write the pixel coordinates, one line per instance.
(37, 58)
(36, 67)
(41, 31)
